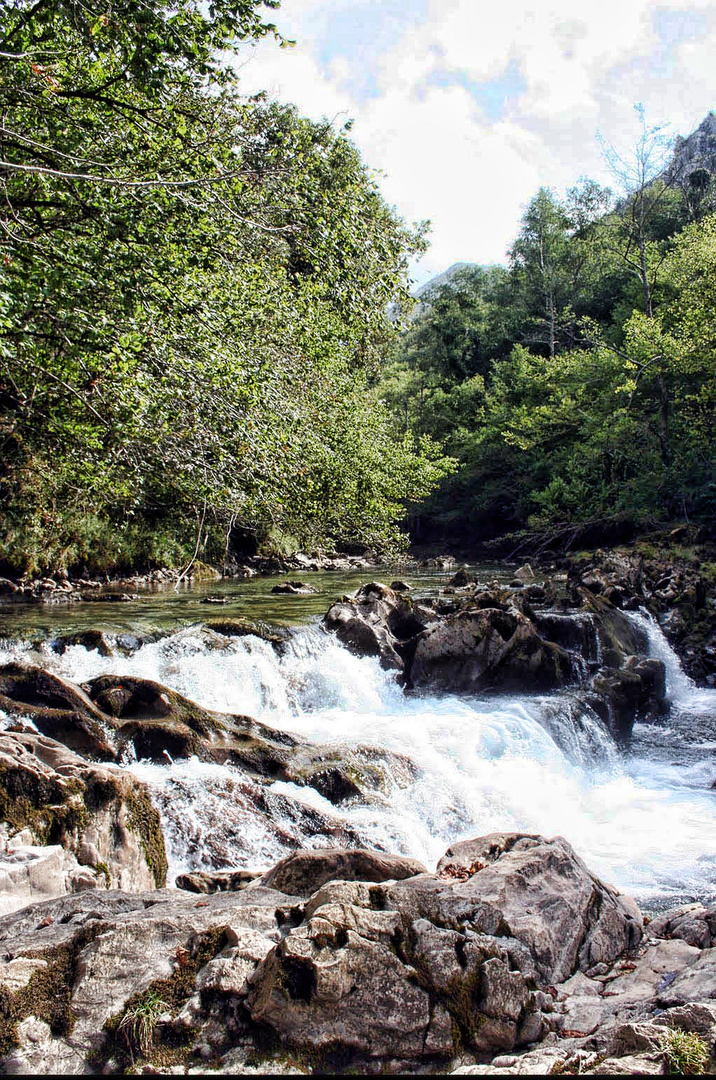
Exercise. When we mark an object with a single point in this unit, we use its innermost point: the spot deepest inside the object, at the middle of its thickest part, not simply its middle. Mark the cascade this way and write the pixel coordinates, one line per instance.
(540, 763)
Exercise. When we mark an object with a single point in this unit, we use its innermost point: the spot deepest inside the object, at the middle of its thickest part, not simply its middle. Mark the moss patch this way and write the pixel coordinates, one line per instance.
(48, 992)
(52, 809)
(167, 1047)
(144, 820)
(101, 869)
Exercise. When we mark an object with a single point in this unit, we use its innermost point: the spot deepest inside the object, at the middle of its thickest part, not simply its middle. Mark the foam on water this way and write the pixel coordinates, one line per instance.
(535, 764)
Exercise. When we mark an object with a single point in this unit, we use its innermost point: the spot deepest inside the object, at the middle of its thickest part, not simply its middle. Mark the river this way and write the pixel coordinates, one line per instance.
(643, 819)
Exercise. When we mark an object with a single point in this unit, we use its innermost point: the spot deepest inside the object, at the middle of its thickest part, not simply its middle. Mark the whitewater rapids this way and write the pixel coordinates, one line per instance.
(644, 820)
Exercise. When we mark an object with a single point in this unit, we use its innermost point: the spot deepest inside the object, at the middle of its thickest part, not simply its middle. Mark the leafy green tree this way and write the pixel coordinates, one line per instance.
(445, 354)
(195, 291)
(538, 260)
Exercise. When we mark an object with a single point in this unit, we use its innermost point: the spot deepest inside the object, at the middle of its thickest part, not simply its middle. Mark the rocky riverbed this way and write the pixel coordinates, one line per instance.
(510, 955)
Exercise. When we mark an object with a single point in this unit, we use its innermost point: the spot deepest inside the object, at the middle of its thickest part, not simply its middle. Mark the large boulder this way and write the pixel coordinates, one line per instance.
(544, 896)
(114, 716)
(54, 804)
(59, 709)
(469, 968)
(482, 638)
(379, 621)
(461, 953)
(303, 873)
(488, 648)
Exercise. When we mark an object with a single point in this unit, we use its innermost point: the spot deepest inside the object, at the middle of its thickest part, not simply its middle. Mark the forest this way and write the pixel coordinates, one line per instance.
(206, 327)
(577, 384)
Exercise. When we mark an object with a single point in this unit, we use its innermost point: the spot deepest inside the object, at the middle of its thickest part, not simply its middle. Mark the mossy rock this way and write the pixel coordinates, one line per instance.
(58, 709)
(48, 992)
(167, 1046)
(144, 821)
(246, 627)
(93, 806)
(52, 808)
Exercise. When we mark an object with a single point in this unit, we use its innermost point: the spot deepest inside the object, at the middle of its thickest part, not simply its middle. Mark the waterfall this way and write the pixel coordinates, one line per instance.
(679, 687)
(540, 764)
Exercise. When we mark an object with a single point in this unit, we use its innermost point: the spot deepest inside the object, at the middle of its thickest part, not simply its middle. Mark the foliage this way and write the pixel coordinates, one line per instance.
(195, 294)
(596, 399)
(139, 1021)
(685, 1052)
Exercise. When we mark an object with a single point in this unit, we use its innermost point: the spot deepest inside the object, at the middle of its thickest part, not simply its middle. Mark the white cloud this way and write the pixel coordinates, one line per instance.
(581, 70)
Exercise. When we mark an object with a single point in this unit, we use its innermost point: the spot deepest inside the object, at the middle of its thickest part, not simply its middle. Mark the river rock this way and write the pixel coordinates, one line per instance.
(234, 627)
(461, 969)
(218, 881)
(378, 621)
(629, 693)
(296, 588)
(89, 639)
(119, 715)
(303, 873)
(692, 923)
(392, 973)
(55, 803)
(58, 708)
(471, 651)
(671, 585)
(529, 913)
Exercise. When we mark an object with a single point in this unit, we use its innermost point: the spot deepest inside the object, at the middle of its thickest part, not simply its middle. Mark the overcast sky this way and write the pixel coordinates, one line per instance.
(467, 107)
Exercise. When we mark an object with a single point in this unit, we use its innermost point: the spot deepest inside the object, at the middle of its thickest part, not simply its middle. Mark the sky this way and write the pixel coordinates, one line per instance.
(463, 109)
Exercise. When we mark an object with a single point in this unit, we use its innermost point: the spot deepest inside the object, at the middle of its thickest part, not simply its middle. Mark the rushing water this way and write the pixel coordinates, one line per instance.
(644, 820)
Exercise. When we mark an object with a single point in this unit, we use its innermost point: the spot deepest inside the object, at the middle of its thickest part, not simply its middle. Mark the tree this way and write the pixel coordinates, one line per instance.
(538, 260)
(648, 197)
(196, 288)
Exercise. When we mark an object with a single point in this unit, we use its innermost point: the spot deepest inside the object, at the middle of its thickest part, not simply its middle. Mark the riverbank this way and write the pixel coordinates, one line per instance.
(204, 756)
(509, 958)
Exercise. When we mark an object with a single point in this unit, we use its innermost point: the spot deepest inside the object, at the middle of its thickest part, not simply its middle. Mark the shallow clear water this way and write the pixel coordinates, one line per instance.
(165, 607)
(644, 820)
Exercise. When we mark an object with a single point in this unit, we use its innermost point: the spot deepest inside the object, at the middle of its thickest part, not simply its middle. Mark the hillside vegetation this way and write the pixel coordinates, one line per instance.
(577, 384)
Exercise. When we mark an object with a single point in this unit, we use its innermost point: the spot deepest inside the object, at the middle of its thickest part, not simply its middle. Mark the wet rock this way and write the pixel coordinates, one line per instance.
(693, 923)
(111, 597)
(303, 873)
(461, 578)
(298, 588)
(671, 585)
(244, 627)
(113, 715)
(341, 772)
(102, 816)
(485, 649)
(156, 721)
(234, 804)
(618, 635)
(88, 639)
(58, 709)
(388, 975)
(377, 621)
(637, 690)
